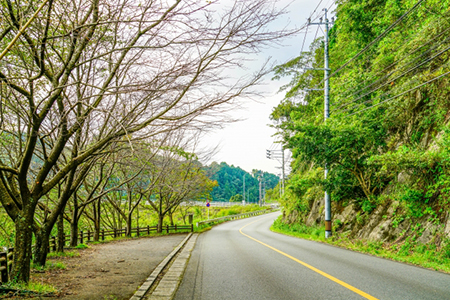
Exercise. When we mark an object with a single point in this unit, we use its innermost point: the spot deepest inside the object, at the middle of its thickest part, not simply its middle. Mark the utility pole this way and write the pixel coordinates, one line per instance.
(278, 154)
(282, 168)
(326, 116)
(243, 192)
(260, 189)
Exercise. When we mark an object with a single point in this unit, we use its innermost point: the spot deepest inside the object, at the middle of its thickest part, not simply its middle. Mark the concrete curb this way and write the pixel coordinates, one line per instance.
(168, 285)
(151, 279)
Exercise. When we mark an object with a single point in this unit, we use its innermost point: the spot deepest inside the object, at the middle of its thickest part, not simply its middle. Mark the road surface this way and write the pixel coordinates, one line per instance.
(244, 260)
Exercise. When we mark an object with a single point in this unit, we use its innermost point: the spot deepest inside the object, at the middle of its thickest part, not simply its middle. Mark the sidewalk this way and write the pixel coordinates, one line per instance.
(112, 270)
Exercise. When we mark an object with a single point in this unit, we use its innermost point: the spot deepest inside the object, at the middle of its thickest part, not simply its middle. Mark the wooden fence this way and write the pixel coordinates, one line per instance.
(7, 256)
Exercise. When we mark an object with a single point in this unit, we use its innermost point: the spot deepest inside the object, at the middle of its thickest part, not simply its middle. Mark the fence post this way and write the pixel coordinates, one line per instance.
(148, 229)
(81, 237)
(175, 227)
(115, 232)
(167, 228)
(4, 263)
(137, 231)
(103, 234)
(89, 236)
(53, 244)
(10, 265)
(192, 227)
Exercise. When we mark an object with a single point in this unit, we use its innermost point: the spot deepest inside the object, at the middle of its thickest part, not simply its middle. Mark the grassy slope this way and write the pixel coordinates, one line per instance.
(427, 256)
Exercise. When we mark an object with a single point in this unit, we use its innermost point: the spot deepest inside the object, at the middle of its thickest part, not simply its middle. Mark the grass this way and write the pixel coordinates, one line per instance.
(31, 287)
(63, 254)
(424, 255)
(82, 246)
(50, 265)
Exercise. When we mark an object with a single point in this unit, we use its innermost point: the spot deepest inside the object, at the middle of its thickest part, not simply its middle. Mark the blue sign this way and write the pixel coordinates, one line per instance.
(207, 204)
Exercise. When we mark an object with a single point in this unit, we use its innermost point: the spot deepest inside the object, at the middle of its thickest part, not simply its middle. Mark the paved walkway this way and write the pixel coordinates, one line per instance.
(167, 287)
(112, 270)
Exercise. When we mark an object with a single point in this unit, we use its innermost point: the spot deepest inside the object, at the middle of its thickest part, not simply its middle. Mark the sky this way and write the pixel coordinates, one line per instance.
(244, 143)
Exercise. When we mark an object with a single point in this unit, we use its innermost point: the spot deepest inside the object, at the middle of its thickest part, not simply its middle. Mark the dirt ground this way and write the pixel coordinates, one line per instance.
(110, 271)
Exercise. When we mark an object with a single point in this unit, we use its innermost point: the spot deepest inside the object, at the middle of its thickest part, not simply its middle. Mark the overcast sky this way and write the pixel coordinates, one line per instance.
(243, 144)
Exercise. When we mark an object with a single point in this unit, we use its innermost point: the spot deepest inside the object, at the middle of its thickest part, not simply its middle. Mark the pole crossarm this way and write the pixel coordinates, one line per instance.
(317, 69)
(313, 90)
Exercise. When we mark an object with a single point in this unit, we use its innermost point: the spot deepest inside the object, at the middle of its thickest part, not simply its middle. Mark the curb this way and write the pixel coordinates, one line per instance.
(140, 293)
(169, 284)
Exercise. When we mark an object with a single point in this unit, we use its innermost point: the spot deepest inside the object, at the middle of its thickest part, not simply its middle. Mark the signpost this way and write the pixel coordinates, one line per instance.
(208, 205)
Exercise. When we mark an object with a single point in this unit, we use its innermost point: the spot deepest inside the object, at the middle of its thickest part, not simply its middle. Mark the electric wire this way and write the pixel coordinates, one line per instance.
(399, 76)
(388, 92)
(317, 31)
(320, 2)
(401, 94)
(379, 37)
(304, 39)
(347, 92)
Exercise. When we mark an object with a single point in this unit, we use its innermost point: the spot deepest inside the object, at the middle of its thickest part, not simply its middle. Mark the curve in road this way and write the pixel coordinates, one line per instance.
(233, 261)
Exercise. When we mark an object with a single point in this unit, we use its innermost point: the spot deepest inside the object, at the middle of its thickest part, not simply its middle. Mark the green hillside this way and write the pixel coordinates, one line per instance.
(386, 142)
(230, 180)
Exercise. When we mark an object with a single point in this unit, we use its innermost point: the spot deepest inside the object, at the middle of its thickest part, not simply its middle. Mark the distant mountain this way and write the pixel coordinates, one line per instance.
(230, 181)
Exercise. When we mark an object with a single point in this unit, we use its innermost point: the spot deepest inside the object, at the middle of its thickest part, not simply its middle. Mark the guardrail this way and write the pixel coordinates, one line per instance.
(7, 256)
(234, 217)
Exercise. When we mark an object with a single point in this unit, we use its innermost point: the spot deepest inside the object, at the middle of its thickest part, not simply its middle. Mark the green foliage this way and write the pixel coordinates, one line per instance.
(82, 246)
(50, 265)
(426, 255)
(403, 142)
(63, 254)
(230, 182)
(236, 198)
(299, 230)
(30, 288)
(302, 190)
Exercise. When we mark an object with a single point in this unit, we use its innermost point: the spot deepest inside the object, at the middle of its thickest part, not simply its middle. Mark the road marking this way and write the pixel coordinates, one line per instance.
(346, 285)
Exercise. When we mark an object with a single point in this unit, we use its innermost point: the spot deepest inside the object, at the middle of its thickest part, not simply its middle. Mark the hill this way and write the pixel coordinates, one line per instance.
(230, 180)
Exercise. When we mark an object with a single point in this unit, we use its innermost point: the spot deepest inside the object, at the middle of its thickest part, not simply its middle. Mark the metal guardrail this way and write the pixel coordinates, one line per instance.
(234, 217)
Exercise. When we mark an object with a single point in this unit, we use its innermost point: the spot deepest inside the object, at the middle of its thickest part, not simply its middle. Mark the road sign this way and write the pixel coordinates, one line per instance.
(208, 204)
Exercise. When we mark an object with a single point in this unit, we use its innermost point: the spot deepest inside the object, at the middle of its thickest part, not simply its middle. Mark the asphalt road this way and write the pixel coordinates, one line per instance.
(244, 260)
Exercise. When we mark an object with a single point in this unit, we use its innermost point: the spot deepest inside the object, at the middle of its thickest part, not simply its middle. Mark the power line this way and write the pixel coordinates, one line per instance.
(320, 2)
(347, 92)
(401, 94)
(399, 76)
(304, 39)
(375, 40)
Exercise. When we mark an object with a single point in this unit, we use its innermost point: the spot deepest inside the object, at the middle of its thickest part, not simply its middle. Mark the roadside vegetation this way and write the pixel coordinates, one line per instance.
(386, 143)
(412, 252)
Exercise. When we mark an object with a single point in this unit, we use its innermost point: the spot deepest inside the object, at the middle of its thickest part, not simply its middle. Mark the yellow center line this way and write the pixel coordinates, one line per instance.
(346, 285)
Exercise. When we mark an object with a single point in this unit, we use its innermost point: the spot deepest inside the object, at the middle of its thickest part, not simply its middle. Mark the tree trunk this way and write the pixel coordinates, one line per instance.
(160, 223)
(41, 247)
(74, 231)
(74, 224)
(171, 218)
(61, 235)
(22, 249)
(97, 220)
(129, 223)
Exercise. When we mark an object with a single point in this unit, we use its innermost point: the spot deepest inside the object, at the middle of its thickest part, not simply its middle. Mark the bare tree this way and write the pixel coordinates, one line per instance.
(92, 73)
